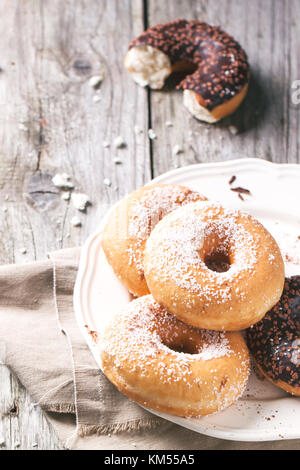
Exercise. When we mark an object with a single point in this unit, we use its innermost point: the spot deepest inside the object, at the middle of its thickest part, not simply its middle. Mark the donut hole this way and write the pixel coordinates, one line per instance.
(180, 70)
(184, 343)
(185, 348)
(184, 66)
(218, 261)
(216, 251)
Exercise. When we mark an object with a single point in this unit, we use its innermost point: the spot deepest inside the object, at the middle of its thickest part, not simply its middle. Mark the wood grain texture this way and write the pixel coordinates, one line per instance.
(267, 121)
(22, 425)
(53, 121)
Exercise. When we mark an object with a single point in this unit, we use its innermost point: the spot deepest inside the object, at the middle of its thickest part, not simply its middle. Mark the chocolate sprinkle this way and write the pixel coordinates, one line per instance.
(240, 190)
(222, 66)
(275, 340)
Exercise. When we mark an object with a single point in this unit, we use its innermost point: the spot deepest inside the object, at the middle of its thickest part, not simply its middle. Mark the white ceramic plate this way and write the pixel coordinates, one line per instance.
(264, 412)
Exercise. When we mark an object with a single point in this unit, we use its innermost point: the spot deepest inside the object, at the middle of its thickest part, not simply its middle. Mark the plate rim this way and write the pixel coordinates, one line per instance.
(227, 164)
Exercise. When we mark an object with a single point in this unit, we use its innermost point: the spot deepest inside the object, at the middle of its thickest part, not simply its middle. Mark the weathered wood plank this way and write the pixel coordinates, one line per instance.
(53, 121)
(22, 425)
(267, 122)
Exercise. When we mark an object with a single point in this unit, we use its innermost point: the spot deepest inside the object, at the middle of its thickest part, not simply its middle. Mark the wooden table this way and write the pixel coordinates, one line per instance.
(54, 121)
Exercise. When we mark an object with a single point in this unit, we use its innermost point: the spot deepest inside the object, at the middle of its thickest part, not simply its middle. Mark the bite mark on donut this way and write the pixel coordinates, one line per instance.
(148, 66)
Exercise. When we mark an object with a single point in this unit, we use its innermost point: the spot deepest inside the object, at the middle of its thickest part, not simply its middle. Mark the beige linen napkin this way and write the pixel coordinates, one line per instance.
(45, 349)
(41, 343)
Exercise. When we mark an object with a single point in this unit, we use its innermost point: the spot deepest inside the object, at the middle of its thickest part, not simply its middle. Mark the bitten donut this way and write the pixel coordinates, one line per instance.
(213, 267)
(161, 363)
(130, 225)
(275, 341)
(217, 65)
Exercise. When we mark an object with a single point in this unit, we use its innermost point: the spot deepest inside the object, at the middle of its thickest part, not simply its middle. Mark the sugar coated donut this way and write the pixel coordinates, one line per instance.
(130, 225)
(161, 363)
(213, 267)
(218, 66)
(275, 341)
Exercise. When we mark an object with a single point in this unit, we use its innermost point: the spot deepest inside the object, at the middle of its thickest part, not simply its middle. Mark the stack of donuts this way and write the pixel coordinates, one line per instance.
(200, 273)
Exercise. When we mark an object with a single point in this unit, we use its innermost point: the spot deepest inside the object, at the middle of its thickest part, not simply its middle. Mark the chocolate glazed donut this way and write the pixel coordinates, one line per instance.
(220, 68)
(275, 341)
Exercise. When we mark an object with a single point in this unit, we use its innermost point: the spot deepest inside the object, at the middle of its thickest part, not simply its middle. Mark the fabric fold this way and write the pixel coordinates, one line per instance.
(42, 343)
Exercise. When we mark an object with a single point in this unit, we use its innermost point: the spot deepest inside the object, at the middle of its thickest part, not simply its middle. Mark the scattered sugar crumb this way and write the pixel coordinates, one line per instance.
(95, 81)
(62, 180)
(169, 124)
(23, 251)
(107, 182)
(66, 196)
(233, 130)
(119, 142)
(80, 201)
(96, 98)
(289, 245)
(23, 128)
(177, 150)
(75, 221)
(138, 130)
(117, 161)
(151, 134)
(105, 144)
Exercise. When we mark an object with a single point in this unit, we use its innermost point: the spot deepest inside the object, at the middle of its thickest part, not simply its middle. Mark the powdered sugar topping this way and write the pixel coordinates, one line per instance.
(157, 202)
(179, 247)
(146, 335)
(146, 212)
